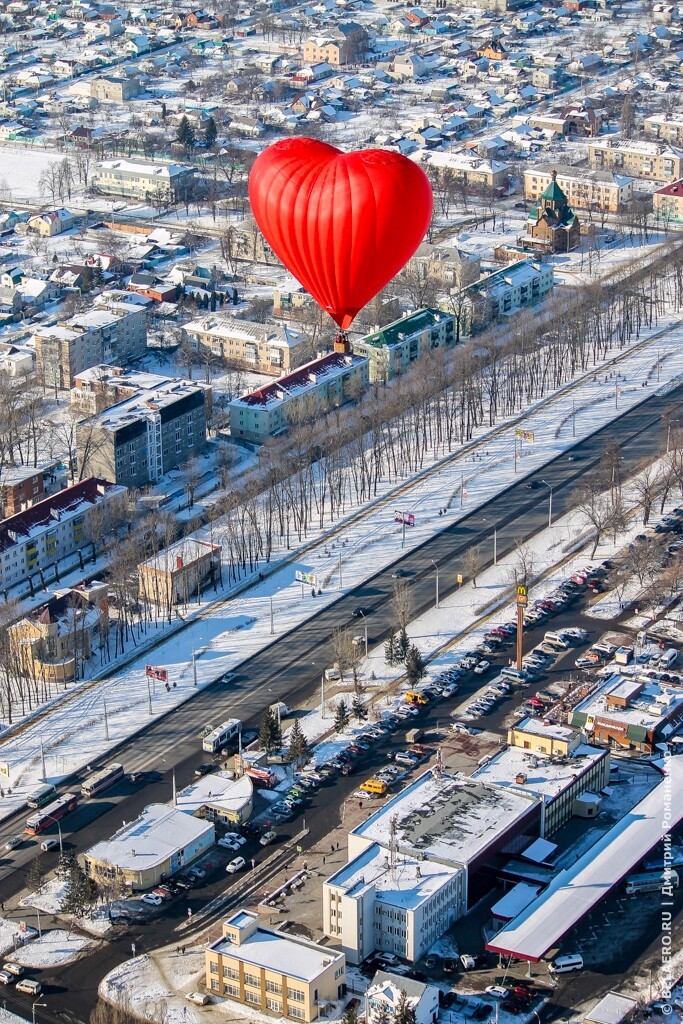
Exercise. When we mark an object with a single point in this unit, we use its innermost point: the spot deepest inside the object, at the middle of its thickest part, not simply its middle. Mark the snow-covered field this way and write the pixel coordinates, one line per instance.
(53, 949)
(21, 170)
(230, 631)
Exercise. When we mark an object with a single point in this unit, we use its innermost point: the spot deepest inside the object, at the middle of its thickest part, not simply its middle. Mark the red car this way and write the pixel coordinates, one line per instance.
(522, 994)
(534, 702)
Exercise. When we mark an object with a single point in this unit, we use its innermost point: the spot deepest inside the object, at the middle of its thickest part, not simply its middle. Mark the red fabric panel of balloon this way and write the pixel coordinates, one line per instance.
(343, 224)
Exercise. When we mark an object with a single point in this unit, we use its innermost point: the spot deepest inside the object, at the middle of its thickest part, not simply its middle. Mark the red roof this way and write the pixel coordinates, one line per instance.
(50, 510)
(674, 188)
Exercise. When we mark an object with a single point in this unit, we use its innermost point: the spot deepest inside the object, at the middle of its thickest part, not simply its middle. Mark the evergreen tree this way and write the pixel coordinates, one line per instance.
(390, 650)
(351, 1016)
(298, 745)
(87, 278)
(267, 731)
(381, 1014)
(185, 134)
(97, 276)
(358, 708)
(81, 892)
(401, 646)
(210, 133)
(415, 666)
(341, 715)
(405, 1012)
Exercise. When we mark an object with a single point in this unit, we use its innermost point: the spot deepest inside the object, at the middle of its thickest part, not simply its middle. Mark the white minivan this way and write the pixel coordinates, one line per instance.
(556, 639)
(566, 964)
(669, 657)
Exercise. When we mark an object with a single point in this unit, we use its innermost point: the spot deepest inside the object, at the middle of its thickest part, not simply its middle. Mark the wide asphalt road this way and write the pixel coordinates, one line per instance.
(290, 669)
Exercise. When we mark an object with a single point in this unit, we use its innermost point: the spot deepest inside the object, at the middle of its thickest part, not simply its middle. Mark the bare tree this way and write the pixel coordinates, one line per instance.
(402, 604)
(473, 563)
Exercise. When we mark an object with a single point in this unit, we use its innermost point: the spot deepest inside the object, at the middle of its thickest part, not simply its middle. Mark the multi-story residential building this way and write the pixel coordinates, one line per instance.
(55, 641)
(506, 291)
(265, 348)
(345, 45)
(110, 332)
(667, 202)
(601, 191)
(322, 384)
(421, 860)
(655, 161)
(114, 88)
(451, 267)
(278, 974)
(392, 348)
(138, 440)
(145, 181)
(100, 387)
(36, 539)
(470, 168)
(179, 571)
(23, 486)
(552, 762)
(667, 127)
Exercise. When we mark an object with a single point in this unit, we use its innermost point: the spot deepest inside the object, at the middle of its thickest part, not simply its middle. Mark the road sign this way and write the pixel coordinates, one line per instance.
(407, 518)
(459, 578)
(299, 849)
(153, 672)
(306, 577)
(4, 768)
(522, 596)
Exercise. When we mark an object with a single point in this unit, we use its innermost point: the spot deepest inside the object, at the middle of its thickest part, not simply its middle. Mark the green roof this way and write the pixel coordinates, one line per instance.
(421, 320)
(554, 193)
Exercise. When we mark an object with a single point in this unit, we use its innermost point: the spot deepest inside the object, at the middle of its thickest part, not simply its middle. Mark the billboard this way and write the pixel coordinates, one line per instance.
(153, 672)
(404, 517)
(525, 435)
(306, 577)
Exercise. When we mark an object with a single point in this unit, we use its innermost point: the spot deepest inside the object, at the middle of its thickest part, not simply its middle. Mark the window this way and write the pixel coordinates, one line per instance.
(274, 1004)
(296, 994)
(252, 979)
(230, 972)
(274, 986)
(229, 990)
(296, 1011)
(253, 997)
(214, 968)
(214, 985)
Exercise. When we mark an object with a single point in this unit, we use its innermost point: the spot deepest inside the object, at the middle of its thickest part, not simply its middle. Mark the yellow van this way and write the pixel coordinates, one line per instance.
(375, 787)
(414, 697)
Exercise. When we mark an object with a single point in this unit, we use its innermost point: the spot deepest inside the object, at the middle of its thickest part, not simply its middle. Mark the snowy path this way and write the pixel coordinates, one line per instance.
(231, 631)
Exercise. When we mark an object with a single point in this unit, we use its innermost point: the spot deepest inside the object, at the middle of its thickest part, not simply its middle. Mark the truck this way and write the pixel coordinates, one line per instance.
(414, 735)
(280, 709)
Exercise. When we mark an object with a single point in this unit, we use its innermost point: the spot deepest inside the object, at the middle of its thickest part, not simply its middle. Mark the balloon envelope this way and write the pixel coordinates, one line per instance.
(344, 224)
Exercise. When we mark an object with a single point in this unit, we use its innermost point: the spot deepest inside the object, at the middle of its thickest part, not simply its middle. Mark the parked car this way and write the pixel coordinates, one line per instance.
(151, 899)
(468, 962)
(450, 965)
(205, 769)
(16, 969)
(497, 991)
(6, 978)
(432, 961)
(236, 865)
(268, 837)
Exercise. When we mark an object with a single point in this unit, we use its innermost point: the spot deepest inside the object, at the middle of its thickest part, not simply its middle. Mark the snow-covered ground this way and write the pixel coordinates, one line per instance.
(227, 632)
(53, 949)
(11, 936)
(49, 899)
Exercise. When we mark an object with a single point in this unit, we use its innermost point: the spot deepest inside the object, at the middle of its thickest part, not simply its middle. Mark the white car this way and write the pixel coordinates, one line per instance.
(13, 842)
(468, 962)
(16, 969)
(151, 899)
(358, 641)
(236, 838)
(6, 978)
(236, 865)
(482, 667)
(497, 991)
(461, 727)
(49, 844)
(228, 844)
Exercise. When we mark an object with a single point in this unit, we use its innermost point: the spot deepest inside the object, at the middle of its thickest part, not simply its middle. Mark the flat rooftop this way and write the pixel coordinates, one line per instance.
(151, 839)
(281, 953)
(644, 710)
(574, 891)
(544, 776)
(449, 818)
(218, 790)
(410, 883)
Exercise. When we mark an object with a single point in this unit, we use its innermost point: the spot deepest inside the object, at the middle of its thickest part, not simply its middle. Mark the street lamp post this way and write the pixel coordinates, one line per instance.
(495, 541)
(365, 630)
(272, 623)
(550, 502)
(437, 581)
(33, 1010)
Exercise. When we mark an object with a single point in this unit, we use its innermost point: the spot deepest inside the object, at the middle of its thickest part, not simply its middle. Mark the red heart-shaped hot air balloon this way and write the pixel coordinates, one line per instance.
(343, 223)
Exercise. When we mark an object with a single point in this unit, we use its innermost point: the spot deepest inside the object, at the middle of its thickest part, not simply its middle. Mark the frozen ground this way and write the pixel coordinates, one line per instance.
(229, 631)
(10, 934)
(53, 949)
(49, 898)
(22, 168)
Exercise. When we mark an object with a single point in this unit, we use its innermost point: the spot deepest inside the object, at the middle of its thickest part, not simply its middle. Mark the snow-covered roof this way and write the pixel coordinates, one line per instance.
(541, 774)
(151, 839)
(408, 885)
(218, 790)
(611, 1009)
(145, 170)
(283, 954)
(448, 818)
(187, 549)
(515, 901)
(226, 327)
(573, 892)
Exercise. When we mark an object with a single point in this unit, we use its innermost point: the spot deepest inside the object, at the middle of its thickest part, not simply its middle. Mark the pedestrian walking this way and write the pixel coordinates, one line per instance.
(337, 845)
(323, 861)
(332, 847)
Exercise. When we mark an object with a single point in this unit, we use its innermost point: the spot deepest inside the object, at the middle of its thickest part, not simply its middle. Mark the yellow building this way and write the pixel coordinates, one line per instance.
(549, 739)
(179, 572)
(282, 975)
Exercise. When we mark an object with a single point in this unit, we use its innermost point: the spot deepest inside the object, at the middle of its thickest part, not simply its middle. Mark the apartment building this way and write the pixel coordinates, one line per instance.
(54, 642)
(451, 267)
(322, 384)
(600, 191)
(345, 45)
(100, 387)
(279, 974)
(39, 537)
(23, 486)
(265, 348)
(654, 161)
(470, 168)
(138, 440)
(667, 127)
(141, 180)
(667, 202)
(515, 287)
(111, 332)
(114, 89)
(392, 348)
(179, 571)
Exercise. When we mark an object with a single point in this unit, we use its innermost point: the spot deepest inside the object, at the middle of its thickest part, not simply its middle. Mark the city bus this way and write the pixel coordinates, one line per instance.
(221, 735)
(651, 883)
(41, 796)
(102, 779)
(47, 816)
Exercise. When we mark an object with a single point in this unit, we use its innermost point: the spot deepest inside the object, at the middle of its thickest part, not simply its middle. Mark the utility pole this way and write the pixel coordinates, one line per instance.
(341, 581)
(272, 624)
(194, 667)
(106, 722)
(149, 699)
(550, 502)
(462, 489)
(42, 757)
(437, 581)
(522, 599)
(322, 695)
(573, 417)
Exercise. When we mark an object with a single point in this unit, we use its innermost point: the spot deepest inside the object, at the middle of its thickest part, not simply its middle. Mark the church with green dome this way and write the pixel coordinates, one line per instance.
(552, 225)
